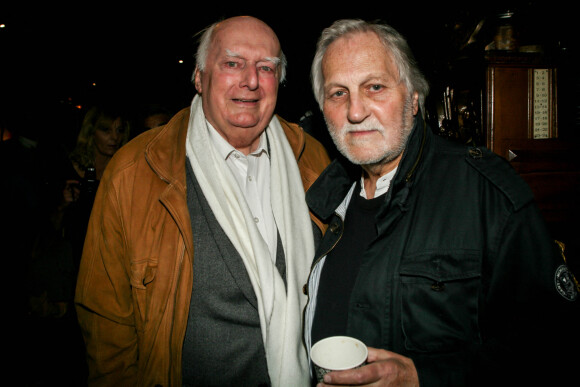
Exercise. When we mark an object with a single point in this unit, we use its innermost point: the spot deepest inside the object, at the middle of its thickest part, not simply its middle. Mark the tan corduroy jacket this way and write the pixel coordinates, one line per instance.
(135, 279)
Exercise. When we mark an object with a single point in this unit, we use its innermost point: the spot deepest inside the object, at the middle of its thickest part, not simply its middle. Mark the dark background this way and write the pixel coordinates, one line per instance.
(57, 58)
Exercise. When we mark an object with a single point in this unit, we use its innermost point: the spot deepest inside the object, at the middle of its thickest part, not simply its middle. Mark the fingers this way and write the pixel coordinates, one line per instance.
(71, 184)
(376, 354)
(384, 368)
(359, 376)
(71, 191)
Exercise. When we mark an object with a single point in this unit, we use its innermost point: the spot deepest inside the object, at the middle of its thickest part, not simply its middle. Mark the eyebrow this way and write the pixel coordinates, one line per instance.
(275, 60)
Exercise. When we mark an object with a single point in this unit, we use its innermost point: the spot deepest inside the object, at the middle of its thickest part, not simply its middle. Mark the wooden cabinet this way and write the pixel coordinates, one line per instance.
(521, 101)
(521, 124)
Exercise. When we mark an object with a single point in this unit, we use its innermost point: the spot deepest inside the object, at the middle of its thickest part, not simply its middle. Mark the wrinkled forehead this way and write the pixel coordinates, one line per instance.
(247, 38)
(360, 54)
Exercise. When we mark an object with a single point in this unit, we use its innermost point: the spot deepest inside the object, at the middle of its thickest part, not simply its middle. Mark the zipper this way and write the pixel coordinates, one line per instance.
(315, 262)
(409, 174)
(340, 212)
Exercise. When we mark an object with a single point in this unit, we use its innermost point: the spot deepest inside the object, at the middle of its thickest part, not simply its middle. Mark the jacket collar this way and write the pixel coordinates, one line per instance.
(331, 187)
(165, 153)
(166, 156)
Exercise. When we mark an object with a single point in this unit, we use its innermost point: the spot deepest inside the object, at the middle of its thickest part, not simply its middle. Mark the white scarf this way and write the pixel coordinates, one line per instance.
(280, 310)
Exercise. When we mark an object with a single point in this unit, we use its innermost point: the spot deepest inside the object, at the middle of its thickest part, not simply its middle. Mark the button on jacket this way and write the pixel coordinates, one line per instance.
(135, 281)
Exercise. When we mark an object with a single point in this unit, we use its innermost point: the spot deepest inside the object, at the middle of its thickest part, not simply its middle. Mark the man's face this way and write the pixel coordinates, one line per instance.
(239, 85)
(368, 111)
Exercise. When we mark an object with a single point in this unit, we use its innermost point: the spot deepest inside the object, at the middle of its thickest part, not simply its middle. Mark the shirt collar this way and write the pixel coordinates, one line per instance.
(225, 149)
(383, 184)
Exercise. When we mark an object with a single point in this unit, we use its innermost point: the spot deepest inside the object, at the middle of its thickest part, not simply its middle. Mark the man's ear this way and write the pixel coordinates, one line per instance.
(415, 103)
(197, 80)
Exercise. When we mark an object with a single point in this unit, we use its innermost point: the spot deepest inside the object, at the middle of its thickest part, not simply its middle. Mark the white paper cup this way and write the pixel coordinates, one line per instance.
(337, 353)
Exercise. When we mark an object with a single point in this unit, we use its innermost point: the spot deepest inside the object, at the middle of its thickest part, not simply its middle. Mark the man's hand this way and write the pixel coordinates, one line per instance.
(384, 368)
(70, 193)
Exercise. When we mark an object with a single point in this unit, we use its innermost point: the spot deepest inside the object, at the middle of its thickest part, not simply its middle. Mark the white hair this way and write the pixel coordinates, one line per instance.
(392, 40)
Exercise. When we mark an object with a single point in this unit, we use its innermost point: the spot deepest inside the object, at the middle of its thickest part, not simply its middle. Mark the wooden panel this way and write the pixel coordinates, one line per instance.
(528, 155)
(520, 103)
(552, 169)
(508, 106)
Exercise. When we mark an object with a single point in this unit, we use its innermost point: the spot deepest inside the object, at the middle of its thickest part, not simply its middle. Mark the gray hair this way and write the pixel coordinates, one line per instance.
(205, 43)
(392, 40)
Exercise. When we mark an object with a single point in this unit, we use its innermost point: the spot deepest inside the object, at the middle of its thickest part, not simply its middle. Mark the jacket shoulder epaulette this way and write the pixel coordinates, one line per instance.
(501, 174)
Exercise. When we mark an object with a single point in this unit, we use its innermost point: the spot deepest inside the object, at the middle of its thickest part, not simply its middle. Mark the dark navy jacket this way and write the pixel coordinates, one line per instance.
(463, 277)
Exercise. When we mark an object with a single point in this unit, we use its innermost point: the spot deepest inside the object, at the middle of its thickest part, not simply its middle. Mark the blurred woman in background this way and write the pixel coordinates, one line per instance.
(70, 183)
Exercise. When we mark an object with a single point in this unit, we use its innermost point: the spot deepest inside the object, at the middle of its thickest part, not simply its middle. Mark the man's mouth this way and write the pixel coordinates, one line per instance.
(361, 131)
(245, 100)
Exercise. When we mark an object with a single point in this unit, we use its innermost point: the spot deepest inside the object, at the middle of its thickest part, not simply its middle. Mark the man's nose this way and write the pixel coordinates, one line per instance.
(357, 108)
(250, 78)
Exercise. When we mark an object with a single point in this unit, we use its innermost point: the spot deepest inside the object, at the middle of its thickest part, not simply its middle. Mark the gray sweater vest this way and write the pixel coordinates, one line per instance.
(223, 343)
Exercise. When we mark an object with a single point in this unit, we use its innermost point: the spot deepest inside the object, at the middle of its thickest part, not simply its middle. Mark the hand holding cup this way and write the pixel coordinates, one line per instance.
(337, 353)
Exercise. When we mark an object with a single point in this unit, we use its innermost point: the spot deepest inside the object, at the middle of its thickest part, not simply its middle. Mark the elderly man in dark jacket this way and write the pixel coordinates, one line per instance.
(436, 256)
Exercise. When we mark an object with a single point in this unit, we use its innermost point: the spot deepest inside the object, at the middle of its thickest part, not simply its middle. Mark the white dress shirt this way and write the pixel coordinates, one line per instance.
(383, 184)
(252, 172)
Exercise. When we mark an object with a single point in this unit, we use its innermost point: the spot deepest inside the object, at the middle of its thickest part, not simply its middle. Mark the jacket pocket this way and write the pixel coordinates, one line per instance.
(439, 300)
(143, 272)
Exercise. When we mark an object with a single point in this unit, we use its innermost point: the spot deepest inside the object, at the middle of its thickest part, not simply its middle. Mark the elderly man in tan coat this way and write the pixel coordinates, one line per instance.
(200, 239)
